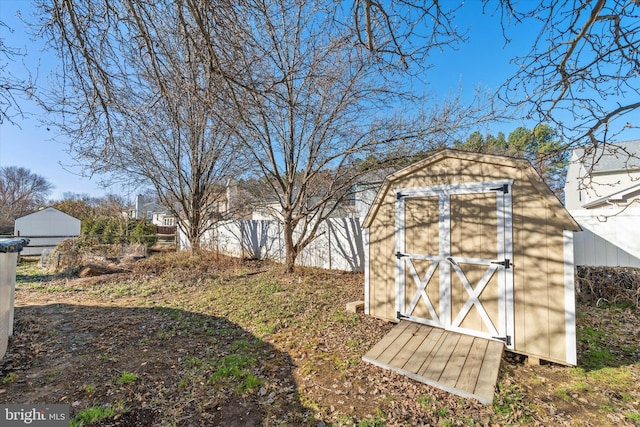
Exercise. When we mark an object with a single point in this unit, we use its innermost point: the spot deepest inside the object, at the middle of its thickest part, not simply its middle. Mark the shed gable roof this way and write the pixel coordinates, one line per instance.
(566, 219)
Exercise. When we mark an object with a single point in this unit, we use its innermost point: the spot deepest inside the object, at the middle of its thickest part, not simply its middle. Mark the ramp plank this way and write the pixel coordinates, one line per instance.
(471, 370)
(489, 371)
(398, 344)
(440, 359)
(387, 340)
(425, 348)
(411, 347)
(460, 354)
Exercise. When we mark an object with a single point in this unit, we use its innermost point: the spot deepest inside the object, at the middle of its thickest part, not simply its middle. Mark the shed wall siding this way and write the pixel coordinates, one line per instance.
(48, 222)
(539, 277)
(555, 283)
(382, 278)
(534, 287)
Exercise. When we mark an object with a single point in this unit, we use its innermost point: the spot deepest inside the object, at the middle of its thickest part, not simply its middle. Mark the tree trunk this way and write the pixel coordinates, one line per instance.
(290, 248)
(192, 236)
(194, 243)
(194, 239)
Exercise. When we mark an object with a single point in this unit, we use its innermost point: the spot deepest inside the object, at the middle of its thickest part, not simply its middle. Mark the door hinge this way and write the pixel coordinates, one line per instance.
(399, 255)
(399, 196)
(400, 316)
(452, 261)
(506, 263)
(506, 340)
(504, 188)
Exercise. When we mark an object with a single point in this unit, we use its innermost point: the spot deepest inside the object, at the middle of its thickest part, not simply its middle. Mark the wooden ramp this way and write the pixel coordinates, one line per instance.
(460, 364)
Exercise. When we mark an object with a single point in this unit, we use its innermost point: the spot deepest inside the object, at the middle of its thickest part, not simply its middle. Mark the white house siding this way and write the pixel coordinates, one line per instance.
(610, 170)
(604, 199)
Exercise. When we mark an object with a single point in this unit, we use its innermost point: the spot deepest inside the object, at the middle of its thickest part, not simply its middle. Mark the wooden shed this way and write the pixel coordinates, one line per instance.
(474, 244)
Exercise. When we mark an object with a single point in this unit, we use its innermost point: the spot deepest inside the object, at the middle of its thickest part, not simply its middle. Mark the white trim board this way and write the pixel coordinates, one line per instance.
(367, 265)
(569, 298)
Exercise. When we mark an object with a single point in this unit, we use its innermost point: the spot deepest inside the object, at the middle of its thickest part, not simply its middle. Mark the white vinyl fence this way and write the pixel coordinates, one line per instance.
(593, 250)
(338, 245)
(607, 240)
(43, 244)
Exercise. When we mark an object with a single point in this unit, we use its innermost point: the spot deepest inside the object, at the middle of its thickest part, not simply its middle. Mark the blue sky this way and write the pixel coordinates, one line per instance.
(483, 61)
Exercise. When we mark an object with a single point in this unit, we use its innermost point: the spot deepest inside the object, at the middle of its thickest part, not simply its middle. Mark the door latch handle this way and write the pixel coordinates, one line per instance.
(506, 263)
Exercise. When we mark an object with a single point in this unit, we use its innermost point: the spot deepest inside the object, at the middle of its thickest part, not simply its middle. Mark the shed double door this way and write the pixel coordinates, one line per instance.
(454, 265)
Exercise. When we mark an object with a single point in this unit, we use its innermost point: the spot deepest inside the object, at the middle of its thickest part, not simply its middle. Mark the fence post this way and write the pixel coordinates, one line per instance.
(328, 225)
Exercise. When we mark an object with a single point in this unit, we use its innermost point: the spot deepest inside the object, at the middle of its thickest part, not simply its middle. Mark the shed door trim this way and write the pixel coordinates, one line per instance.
(445, 262)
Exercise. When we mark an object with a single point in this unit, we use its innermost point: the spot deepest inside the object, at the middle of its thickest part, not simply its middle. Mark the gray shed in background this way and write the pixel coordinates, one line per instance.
(45, 229)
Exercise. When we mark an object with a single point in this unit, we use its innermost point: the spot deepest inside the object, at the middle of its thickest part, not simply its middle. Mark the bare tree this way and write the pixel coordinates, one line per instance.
(21, 192)
(142, 103)
(405, 30)
(313, 104)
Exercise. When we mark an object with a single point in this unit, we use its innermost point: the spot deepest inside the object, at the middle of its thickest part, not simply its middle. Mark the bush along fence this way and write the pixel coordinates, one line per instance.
(339, 244)
(119, 230)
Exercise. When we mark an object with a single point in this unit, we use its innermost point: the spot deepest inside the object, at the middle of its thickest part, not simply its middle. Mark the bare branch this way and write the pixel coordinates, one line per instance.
(582, 73)
(12, 88)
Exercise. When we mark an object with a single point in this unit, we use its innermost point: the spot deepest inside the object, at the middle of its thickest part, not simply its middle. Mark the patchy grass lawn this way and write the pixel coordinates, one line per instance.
(203, 341)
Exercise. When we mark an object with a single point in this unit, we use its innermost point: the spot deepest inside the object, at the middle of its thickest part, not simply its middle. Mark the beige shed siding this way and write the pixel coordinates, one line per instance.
(518, 262)
(534, 286)
(557, 325)
(538, 223)
(555, 287)
(382, 280)
(538, 277)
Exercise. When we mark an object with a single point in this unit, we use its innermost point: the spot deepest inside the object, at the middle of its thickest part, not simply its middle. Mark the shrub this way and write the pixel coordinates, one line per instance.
(144, 232)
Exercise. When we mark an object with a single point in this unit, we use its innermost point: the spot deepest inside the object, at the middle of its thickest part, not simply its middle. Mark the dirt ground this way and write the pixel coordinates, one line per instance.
(207, 342)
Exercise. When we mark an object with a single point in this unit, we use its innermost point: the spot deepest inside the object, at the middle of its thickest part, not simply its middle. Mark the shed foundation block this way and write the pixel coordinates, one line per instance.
(355, 306)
